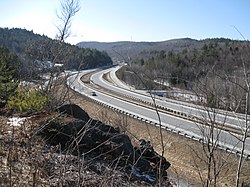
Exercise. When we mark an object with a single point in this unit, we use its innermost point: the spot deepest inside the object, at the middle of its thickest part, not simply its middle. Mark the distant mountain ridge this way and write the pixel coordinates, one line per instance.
(132, 50)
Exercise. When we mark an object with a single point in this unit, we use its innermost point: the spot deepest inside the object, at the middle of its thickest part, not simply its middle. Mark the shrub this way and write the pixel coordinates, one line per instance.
(27, 99)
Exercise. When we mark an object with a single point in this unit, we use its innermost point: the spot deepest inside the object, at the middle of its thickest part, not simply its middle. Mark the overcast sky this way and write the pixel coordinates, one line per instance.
(134, 20)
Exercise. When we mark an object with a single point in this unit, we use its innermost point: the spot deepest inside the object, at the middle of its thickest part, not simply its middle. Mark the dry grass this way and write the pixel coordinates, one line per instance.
(25, 160)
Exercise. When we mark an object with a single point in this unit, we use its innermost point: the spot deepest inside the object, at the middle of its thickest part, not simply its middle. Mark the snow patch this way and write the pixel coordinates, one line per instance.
(16, 121)
(136, 172)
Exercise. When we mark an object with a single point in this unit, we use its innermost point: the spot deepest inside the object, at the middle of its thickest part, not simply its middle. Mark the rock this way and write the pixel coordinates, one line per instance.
(74, 111)
(86, 136)
(60, 133)
(147, 151)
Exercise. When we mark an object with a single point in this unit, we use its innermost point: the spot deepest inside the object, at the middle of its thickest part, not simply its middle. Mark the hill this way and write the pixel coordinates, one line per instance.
(138, 50)
(33, 49)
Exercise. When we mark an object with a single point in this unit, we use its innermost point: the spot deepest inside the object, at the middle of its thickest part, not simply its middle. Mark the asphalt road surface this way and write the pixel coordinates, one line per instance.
(182, 126)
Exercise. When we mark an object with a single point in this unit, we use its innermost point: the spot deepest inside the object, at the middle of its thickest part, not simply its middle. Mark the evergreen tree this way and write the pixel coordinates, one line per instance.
(8, 75)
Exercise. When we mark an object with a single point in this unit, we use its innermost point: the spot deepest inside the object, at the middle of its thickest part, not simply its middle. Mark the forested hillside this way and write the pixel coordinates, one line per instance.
(32, 49)
(218, 70)
(132, 50)
(191, 63)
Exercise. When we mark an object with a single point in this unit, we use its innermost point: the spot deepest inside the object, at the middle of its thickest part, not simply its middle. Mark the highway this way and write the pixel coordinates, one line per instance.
(169, 122)
(207, 114)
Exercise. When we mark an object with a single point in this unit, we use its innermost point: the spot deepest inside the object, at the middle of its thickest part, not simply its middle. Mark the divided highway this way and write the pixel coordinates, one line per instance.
(230, 119)
(169, 122)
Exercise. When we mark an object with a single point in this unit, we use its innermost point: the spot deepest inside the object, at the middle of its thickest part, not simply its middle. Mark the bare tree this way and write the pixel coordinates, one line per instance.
(239, 99)
(210, 132)
(68, 10)
(211, 89)
(138, 75)
(245, 126)
(231, 93)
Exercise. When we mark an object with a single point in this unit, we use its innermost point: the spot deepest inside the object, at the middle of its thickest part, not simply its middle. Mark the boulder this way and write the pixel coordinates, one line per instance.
(147, 151)
(85, 136)
(75, 111)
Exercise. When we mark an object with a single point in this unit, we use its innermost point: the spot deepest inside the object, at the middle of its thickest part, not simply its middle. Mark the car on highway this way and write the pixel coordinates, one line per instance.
(93, 94)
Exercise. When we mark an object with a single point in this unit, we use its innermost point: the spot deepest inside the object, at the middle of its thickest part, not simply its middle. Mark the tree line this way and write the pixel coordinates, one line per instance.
(208, 70)
(30, 47)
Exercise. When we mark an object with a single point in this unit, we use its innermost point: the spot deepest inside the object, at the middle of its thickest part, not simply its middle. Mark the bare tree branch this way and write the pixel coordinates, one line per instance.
(69, 8)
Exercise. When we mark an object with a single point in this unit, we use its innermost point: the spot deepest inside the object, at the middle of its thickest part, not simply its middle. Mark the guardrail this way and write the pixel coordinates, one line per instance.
(219, 111)
(227, 148)
(223, 125)
(172, 112)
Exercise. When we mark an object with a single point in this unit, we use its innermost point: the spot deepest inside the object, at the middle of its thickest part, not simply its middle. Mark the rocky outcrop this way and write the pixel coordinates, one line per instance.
(77, 133)
(74, 111)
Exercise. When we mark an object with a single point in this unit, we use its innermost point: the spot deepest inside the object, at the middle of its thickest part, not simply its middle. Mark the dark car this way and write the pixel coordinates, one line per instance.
(93, 94)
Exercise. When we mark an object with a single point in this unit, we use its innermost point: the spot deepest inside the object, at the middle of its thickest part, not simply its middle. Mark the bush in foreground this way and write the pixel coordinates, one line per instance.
(28, 100)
